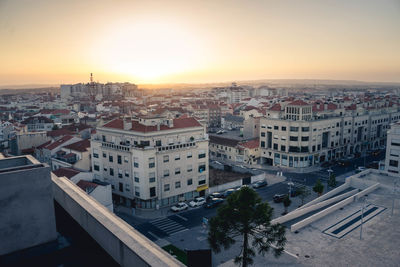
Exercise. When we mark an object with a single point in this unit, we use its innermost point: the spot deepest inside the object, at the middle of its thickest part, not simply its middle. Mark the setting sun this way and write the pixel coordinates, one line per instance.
(149, 51)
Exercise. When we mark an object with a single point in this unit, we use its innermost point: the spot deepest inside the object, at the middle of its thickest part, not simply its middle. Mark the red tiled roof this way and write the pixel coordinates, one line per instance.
(86, 186)
(299, 102)
(55, 111)
(276, 107)
(67, 172)
(59, 142)
(59, 132)
(138, 127)
(251, 144)
(80, 146)
(43, 145)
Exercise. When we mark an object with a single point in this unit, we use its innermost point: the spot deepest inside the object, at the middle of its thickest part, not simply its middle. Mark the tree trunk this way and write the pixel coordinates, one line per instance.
(245, 244)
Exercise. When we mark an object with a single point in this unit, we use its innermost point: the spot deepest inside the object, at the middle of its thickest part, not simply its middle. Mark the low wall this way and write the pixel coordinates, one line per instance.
(331, 209)
(234, 184)
(122, 242)
(327, 195)
(300, 212)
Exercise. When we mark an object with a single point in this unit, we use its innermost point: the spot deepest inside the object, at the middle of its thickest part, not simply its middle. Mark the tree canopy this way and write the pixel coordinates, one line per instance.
(245, 217)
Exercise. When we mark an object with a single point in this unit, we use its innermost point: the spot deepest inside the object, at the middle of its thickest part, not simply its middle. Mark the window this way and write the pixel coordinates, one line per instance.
(152, 163)
(119, 173)
(166, 158)
(119, 159)
(202, 167)
(177, 170)
(283, 128)
(294, 129)
(126, 173)
(177, 157)
(166, 173)
(136, 162)
(202, 179)
(177, 184)
(96, 167)
(305, 129)
(105, 168)
(189, 181)
(276, 127)
(152, 177)
(152, 191)
(283, 148)
(111, 171)
(126, 159)
(95, 154)
(276, 146)
(137, 191)
(136, 175)
(158, 143)
(127, 187)
(110, 158)
(189, 168)
(294, 138)
(262, 143)
(166, 187)
(189, 154)
(262, 134)
(304, 138)
(121, 187)
(104, 155)
(393, 163)
(202, 154)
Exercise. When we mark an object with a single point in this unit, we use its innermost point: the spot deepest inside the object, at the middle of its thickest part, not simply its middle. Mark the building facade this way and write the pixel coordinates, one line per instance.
(298, 137)
(152, 162)
(393, 149)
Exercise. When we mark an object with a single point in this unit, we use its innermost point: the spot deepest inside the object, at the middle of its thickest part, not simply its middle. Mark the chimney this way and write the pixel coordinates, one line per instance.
(158, 126)
(127, 124)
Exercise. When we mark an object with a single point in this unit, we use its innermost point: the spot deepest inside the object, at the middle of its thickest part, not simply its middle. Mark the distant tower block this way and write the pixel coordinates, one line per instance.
(91, 77)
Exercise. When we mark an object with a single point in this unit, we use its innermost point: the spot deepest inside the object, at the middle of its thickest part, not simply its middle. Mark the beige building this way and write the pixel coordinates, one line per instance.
(393, 150)
(152, 162)
(292, 135)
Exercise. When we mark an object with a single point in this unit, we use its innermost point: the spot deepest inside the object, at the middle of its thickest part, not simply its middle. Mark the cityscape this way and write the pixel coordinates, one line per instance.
(198, 134)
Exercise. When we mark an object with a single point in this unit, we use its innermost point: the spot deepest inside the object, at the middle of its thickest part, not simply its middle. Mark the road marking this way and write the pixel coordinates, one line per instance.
(153, 235)
(179, 231)
(168, 226)
(183, 218)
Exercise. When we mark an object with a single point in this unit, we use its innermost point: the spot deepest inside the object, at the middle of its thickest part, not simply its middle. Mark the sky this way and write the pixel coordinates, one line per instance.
(55, 42)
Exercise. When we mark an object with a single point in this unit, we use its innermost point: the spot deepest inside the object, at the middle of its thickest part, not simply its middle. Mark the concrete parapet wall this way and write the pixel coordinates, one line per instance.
(300, 212)
(333, 208)
(327, 195)
(122, 242)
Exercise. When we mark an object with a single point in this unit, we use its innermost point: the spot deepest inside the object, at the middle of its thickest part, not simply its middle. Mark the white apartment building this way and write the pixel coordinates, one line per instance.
(152, 161)
(295, 136)
(393, 149)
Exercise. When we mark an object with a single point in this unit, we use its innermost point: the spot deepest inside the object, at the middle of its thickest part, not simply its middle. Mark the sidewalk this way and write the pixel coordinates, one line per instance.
(144, 214)
(290, 170)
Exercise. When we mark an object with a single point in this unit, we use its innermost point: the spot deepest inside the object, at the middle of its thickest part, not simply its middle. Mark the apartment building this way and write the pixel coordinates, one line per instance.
(393, 149)
(294, 135)
(152, 161)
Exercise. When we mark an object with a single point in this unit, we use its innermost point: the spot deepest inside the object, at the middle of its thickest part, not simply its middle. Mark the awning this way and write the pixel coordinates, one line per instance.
(201, 188)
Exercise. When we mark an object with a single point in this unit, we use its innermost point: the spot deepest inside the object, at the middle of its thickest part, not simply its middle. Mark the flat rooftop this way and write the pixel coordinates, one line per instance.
(19, 163)
(334, 240)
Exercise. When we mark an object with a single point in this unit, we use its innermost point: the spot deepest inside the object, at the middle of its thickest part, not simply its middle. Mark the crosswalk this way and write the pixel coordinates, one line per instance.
(168, 226)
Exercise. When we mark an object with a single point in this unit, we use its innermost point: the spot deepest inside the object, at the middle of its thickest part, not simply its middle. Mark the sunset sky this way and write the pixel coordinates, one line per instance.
(198, 41)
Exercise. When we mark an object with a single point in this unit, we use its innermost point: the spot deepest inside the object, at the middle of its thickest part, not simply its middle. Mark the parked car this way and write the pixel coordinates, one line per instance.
(214, 202)
(198, 201)
(260, 184)
(373, 165)
(179, 207)
(344, 163)
(228, 192)
(278, 198)
(245, 185)
(213, 195)
(217, 162)
(376, 153)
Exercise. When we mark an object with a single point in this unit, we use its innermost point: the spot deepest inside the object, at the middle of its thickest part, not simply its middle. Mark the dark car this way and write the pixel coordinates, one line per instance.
(344, 163)
(373, 165)
(227, 193)
(213, 203)
(260, 184)
(214, 195)
(278, 198)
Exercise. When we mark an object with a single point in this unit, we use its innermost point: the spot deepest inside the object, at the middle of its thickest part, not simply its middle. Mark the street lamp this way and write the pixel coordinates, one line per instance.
(290, 184)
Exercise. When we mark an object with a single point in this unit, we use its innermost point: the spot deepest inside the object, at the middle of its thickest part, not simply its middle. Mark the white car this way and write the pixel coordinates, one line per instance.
(179, 207)
(198, 201)
(217, 162)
